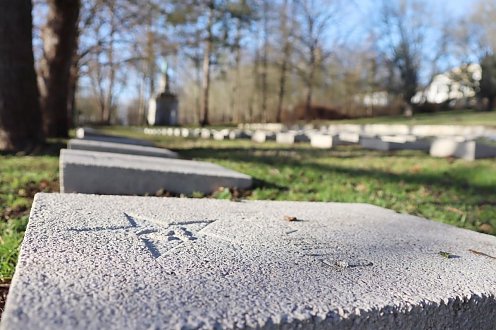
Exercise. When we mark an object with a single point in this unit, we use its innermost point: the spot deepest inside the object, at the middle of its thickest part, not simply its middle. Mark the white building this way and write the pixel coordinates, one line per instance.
(457, 84)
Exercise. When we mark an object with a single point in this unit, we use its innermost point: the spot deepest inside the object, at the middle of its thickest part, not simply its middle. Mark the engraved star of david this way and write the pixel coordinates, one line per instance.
(157, 237)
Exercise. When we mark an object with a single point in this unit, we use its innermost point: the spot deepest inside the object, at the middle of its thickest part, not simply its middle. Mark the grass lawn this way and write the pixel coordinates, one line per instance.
(458, 192)
(457, 117)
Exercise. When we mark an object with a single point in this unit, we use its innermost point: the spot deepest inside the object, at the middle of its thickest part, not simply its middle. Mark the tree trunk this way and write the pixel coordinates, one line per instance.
(265, 63)
(109, 95)
(491, 103)
(20, 117)
(235, 108)
(285, 60)
(72, 116)
(59, 42)
(206, 70)
(311, 74)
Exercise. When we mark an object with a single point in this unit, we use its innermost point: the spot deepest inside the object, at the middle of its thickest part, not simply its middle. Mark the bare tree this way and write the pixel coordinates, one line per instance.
(284, 29)
(412, 46)
(314, 19)
(20, 117)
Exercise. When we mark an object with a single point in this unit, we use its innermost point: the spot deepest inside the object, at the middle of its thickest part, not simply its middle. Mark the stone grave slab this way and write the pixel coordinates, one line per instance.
(349, 138)
(205, 133)
(186, 132)
(291, 137)
(91, 134)
(220, 135)
(324, 141)
(396, 143)
(386, 129)
(263, 136)
(239, 134)
(122, 262)
(92, 145)
(468, 150)
(108, 173)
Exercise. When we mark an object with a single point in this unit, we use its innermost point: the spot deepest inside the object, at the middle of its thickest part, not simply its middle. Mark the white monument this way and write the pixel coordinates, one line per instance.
(163, 108)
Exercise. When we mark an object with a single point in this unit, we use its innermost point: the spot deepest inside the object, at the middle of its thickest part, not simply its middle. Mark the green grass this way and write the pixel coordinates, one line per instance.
(20, 178)
(465, 117)
(457, 192)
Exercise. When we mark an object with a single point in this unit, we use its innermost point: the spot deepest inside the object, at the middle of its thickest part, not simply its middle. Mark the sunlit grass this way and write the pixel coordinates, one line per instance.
(457, 192)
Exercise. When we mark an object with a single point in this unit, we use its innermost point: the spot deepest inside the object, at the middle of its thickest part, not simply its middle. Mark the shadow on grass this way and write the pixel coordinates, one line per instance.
(50, 148)
(304, 159)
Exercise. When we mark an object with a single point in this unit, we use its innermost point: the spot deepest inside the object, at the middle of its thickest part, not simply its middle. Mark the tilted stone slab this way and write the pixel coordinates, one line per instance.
(91, 134)
(128, 149)
(107, 173)
(117, 262)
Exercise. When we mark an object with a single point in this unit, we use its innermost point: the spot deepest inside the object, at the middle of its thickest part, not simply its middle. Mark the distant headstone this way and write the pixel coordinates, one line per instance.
(239, 134)
(263, 136)
(395, 143)
(468, 150)
(349, 137)
(291, 137)
(120, 148)
(324, 141)
(94, 135)
(117, 262)
(104, 173)
(163, 108)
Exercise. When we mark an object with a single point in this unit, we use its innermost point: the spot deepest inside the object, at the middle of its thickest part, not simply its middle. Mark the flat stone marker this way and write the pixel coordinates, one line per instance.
(205, 133)
(120, 262)
(108, 173)
(468, 150)
(390, 143)
(263, 136)
(291, 137)
(91, 145)
(346, 137)
(324, 141)
(239, 134)
(91, 134)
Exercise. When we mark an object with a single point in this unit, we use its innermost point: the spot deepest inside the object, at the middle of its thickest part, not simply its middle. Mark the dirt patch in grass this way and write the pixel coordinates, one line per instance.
(4, 290)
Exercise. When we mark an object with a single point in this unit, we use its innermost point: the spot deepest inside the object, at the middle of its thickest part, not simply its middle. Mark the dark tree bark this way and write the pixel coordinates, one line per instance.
(59, 42)
(20, 117)
(285, 61)
(206, 68)
(265, 63)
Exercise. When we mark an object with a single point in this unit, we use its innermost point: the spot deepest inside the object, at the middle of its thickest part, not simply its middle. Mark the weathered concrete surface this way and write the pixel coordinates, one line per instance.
(108, 262)
(107, 173)
(91, 134)
(120, 148)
